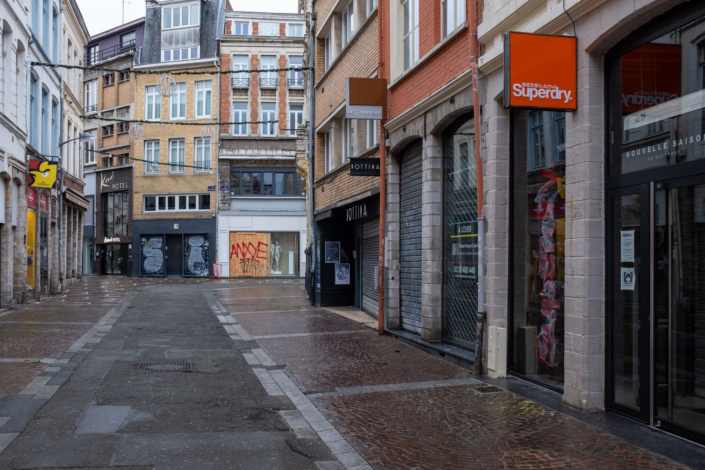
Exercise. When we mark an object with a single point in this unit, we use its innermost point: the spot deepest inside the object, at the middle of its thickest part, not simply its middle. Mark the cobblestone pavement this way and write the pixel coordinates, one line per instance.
(274, 384)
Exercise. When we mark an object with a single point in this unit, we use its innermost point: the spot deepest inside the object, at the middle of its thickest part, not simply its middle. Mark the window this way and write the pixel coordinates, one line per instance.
(89, 155)
(452, 15)
(108, 130)
(153, 108)
(151, 154)
(241, 80)
(327, 53)
(296, 77)
(108, 79)
(268, 114)
(45, 122)
(372, 133)
(177, 202)
(181, 54)
(296, 117)
(35, 17)
(127, 40)
(559, 135)
(296, 30)
(177, 17)
(348, 139)
(202, 159)
(411, 32)
(537, 152)
(91, 96)
(268, 79)
(33, 103)
(177, 151)
(54, 127)
(327, 154)
(241, 29)
(116, 213)
(266, 182)
(347, 24)
(204, 98)
(123, 127)
(178, 102)
(45, 25)
(371, 6)
(124, 76)
(93, 54)
(239, 115)
(55, 36)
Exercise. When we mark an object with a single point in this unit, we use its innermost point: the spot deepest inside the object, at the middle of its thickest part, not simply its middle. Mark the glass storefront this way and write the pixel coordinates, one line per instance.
(256, 254)
(88, 255)
(460, 243)
(539, 245)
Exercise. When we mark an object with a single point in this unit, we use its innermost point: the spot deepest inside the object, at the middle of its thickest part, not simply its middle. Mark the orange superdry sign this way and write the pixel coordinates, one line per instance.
(540, 71)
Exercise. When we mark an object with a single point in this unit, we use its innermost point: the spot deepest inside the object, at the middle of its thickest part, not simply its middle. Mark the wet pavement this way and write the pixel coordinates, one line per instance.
(184, 374)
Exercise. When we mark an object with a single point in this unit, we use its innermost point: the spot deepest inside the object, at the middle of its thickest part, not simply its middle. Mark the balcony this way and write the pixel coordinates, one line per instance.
(240, 82)
(268, 82)
(92, 108)
(118, 49)
(296, 82)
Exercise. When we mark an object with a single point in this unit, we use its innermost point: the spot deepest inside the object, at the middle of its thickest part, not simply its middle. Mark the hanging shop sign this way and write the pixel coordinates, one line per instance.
(365, 98)
(42, 174)
(540, 71)
(31, 198)
(115, 180)
(364, 167)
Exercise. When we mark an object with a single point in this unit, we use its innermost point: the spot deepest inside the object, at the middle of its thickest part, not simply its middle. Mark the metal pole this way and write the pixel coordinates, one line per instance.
(311, 99)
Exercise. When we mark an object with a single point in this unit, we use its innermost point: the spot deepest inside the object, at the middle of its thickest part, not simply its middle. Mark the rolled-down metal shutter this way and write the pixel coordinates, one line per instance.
(370, 265)
(410, 234)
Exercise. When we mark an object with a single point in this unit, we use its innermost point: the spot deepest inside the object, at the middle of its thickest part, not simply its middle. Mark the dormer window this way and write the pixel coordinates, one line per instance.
(180, 16)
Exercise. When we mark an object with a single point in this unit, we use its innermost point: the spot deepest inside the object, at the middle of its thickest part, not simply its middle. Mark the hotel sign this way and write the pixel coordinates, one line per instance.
(364, 167)
(540, 72)
(365, 98)
(115, 180)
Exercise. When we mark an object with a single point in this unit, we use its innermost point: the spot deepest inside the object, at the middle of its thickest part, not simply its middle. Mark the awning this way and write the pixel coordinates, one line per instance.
(76, 198)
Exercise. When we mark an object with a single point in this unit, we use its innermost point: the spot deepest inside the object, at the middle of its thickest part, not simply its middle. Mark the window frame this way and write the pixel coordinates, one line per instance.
(412, 34)
(179, 8)
(153, 167)
(177, 202)
(296, 191)
(179, 102)
(234, 24)
(327, 153)
(370, 6)
(202, 142)
(109, 79)
(296, 77)
(133, 40)
(450, 20)
(91, 96)
(272, 125)
(293, 115)
(268, 79)
(240, 79)
(153, 91)
(89, 147)
(347, 24)
(372, 131)
(125, 212)
(207, 102)
(327, 53)
(237, 117)
(181, 49)
(295, 25)
(180, 148)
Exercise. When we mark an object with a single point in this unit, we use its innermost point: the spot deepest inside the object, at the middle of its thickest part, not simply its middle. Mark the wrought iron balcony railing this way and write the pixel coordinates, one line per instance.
(240, 82)
(268, 82)
(99, 56)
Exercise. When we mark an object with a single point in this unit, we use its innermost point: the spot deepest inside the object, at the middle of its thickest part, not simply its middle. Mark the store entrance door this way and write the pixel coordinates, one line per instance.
(115, 259)
(656, 304)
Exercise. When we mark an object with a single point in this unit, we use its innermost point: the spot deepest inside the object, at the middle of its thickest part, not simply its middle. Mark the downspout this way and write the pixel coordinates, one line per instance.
(312, 80)
(474, 51)
(59, 287)
(382, 179)
(216, 63)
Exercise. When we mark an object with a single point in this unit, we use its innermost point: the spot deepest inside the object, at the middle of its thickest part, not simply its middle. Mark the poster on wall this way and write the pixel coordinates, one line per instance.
(627, 246)
(250, 254)
(628, 279)
(342, 274)
(152, 256)
(332, 252)
(196, 255)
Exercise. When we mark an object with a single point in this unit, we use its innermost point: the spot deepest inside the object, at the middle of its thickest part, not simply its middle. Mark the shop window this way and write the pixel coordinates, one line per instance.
(116, 213)
(539, 246)
(177, 202)
(264, 254)
(266, 183)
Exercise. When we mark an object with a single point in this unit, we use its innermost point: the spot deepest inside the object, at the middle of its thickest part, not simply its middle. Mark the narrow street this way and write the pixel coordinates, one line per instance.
(182, 374)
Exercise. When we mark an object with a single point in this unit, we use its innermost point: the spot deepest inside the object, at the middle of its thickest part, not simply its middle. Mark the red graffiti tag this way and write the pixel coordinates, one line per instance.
(248, 250)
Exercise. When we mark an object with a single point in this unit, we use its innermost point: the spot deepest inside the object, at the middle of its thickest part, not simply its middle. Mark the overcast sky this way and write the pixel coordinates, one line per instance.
(102, 15)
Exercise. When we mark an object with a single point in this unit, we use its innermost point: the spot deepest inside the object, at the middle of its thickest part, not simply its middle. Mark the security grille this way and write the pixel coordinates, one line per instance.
(460, 239)
(174, 261)
(370, 265)
(167, 366)
(410, 242)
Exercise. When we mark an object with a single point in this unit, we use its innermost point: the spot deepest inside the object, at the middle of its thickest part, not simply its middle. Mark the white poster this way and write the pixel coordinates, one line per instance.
(342, 274)
(628, 279)
(627, 246)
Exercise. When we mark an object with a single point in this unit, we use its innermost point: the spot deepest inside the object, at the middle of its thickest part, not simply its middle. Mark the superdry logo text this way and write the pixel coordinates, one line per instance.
(536, 90)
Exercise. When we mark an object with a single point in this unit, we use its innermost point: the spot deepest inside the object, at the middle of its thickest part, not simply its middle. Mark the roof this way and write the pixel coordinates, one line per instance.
(117, 29)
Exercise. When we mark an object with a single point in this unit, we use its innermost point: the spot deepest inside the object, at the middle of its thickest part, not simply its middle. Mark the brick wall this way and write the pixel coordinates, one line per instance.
(282, 29)
(339, 185)
(282, 95)
(430, 33)
(254, 87)
(255, 28)
(114, 96)
(225, 90)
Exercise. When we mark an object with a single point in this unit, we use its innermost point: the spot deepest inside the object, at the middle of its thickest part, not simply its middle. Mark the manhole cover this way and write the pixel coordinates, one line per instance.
(167, 366)
(491, 389)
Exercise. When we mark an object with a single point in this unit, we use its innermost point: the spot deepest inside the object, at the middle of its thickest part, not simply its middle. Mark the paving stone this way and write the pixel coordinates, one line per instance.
(102, 419)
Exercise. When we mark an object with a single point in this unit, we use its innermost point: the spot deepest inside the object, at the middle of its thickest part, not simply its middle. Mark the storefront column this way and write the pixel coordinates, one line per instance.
(54, 259)
(432, 239)
(495, 146)
(79, 244)
(6, 255)
(62, 253)
(74, 245)
(393, 230)
(585, 261)
(19, 253)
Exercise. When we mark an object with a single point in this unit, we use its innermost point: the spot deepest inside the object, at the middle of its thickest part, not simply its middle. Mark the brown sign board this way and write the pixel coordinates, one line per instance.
(114, 180)
(366, 98)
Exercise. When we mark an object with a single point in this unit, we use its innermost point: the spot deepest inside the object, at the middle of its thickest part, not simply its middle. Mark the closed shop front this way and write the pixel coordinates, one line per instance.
(410, 237)
(370, 266)
(256, 254)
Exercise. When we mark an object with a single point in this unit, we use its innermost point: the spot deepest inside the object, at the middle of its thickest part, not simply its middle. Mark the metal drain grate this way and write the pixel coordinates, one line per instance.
(167, 366)
(490, 389)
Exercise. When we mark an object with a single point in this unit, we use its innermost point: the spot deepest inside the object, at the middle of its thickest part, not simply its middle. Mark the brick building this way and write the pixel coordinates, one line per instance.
(346, 212)
(262, 191)
(107, 228)
(174, 208)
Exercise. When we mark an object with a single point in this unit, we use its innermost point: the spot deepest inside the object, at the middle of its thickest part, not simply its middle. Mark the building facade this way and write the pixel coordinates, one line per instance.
(262, 191)
(175, 177)
(14, 132)
(108, 164)
(346, 208)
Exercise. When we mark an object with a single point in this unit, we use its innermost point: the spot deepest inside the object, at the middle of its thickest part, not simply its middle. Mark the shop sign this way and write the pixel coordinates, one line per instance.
(365, 98)
(109, 240)
(540, 71)
(111, 181)
(364, 166)
(43, 202)
(356, 212)
(31, 198)
(42, 174)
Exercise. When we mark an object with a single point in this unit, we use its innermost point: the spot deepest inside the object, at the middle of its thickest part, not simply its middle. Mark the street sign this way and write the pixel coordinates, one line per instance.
(211, 188)
(364, 166)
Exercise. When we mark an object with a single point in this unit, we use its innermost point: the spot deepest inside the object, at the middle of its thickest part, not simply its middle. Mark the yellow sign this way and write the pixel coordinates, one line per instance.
(42, 174)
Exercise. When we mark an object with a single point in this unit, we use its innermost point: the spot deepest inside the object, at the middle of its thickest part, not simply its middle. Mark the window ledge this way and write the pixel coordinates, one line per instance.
(455, 33)
(335, 170)
(268, 198)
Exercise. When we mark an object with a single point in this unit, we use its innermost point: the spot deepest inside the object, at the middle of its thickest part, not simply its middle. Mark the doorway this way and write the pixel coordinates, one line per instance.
(656, 304)
(115, 259)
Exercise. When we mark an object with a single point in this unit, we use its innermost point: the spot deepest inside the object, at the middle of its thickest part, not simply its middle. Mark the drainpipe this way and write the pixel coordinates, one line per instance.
(311, 99)
(382, 179)
(59, 287)
(474, 49)
(216, 63)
